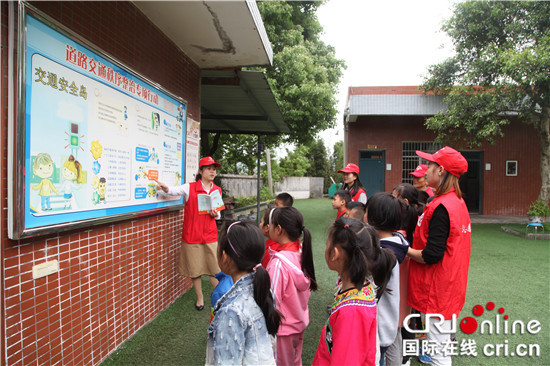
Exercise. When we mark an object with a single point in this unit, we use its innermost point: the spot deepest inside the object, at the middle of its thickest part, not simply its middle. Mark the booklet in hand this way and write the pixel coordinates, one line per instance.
(210, 202)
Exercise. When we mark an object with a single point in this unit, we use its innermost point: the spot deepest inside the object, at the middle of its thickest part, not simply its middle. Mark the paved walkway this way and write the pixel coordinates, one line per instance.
(491, 219)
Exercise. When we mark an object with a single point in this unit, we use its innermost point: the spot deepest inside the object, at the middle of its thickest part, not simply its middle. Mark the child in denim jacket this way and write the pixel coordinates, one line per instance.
(244, 317)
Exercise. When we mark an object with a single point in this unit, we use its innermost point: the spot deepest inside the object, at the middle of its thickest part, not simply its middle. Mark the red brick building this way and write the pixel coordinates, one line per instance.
(112, 278)
(384, 126)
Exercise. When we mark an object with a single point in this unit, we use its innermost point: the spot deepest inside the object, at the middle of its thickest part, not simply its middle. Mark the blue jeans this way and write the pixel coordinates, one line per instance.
(45, 202)
(383, 355)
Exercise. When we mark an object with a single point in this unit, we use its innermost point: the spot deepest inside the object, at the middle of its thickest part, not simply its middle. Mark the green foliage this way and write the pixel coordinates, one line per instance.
(337, 159)
(319, 160)
(305, 71)
(296, 163)
(539, 208)
(311, 160)
(237, 154)
(247, 201)
(501, 68)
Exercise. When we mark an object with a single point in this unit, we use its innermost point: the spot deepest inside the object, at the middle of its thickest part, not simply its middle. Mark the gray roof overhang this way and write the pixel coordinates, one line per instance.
(214, 34)
(239, 102)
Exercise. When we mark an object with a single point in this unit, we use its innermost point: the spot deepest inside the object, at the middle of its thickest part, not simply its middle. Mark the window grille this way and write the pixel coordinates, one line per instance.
(411, 160)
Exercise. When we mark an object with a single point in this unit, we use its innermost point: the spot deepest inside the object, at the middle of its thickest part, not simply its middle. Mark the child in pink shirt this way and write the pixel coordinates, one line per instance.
(292, 278)
(269, 244)
(349, 335)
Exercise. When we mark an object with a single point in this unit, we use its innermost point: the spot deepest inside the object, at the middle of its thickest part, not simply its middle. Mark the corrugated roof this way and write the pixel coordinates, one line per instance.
(241, 102)
(392, 101)
(395, 105)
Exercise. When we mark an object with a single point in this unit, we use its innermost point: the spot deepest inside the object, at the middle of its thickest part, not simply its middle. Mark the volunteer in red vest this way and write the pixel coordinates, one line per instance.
(438, 273)
(198, 255)
(352, 184)
(420, 181)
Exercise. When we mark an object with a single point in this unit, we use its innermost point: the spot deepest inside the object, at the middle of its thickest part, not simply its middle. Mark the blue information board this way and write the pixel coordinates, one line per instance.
(96, 135)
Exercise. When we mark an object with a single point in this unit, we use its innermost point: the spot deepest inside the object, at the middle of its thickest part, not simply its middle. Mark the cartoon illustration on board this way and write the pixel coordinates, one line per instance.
(152, 190)
(180, 113)
(102, 189)
(72, 173)
(153, 157)
(74, 140)
(43, 168)
(96, 149)
(141, 174)
(123, 125)
(99, 185)
(156, 121)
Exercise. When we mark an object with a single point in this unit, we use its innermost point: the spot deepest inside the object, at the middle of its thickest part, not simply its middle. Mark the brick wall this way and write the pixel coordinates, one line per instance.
(504, 195)
(114, 278)
(501, 195)
(366, 133)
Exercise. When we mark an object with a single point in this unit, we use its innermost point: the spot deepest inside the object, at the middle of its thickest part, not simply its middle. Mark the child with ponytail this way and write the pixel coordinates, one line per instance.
(292, 278)
(269, 244)
(72, 173)
(349, 335)
(411, 211)
(384, 214)
(245, 316)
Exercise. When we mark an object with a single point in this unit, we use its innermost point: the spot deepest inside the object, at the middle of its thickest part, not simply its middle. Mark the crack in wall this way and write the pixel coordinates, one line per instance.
(228, 47)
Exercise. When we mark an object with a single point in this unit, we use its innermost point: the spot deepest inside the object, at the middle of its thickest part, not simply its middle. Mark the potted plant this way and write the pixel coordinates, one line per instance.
(538, 211)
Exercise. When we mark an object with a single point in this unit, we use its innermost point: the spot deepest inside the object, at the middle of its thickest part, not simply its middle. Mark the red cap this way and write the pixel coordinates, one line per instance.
(207, 160)
(450, 159)
(420, 171)
(350, 168)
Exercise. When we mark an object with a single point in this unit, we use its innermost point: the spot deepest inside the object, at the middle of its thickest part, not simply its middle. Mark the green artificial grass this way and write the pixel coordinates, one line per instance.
(513, 273)
(510, 271)
(176, 337)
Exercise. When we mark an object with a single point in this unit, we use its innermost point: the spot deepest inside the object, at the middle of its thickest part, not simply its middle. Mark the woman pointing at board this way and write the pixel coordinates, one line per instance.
(198, 255)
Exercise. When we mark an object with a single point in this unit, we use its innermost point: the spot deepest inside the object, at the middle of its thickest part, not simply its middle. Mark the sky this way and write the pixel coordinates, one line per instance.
(384, 43)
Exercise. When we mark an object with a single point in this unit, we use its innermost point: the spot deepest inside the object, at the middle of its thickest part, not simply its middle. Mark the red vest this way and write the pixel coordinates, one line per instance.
(441, 288)
(356, 196)
(198, 229)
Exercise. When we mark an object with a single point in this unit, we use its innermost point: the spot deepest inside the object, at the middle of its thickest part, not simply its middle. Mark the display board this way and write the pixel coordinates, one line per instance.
(96, 134)
(192, 147)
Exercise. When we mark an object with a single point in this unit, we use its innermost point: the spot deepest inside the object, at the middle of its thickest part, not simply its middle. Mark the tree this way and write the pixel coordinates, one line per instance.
(337, 159)
(296, 163)
(305, 71)
(501, 68)
(304, 77)
(238, 157)
(320, 166)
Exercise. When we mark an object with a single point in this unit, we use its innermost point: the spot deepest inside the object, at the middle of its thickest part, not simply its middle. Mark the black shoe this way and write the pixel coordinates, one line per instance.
(199, 307)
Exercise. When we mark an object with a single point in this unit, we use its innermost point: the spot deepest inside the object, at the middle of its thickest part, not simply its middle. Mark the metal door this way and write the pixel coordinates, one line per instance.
(372, 165)
(470, 182)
